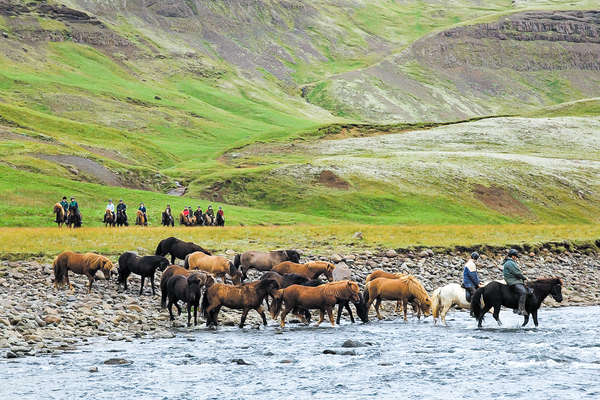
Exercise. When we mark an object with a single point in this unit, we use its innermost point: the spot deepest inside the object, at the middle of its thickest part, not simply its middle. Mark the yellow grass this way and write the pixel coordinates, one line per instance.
(28, 242)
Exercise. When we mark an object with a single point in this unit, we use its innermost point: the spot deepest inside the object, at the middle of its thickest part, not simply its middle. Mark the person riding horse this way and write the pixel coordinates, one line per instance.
(142, 208)
(122, 208)
(471, 280)
(210, 212)
(65, 204)
(74, 207)
(515, 279)
(110, 207)
(198, 215)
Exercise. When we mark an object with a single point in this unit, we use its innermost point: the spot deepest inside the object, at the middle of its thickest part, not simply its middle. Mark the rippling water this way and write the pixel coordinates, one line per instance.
(561, 359)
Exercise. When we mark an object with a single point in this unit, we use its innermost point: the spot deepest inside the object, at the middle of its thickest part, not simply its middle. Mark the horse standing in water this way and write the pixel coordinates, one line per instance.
(59, 211)
(496, 294)
(405, 289)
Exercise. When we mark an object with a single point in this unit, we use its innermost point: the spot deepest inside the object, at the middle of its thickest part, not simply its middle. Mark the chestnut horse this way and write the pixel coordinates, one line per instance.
(263, 261)
(217, 265)
(310, 270)
(87, 264)
(405, 289)
(59, 211)
(323, 298)
(247, 297)
(186, 219)
(379, 273)
(109, 219)
(140, 219)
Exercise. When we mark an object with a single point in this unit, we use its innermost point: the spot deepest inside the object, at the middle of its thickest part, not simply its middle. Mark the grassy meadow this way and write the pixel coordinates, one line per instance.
(327, 239)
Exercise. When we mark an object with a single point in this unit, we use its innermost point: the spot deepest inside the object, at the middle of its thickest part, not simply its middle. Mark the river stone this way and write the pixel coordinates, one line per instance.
(336, 258)
(135, 307)
(353, 343)
(391, 253)
(10, 354)
(52, 319)
(240, 361)
(328, 351)
(117, 361)
(93, 369)
(341, 272)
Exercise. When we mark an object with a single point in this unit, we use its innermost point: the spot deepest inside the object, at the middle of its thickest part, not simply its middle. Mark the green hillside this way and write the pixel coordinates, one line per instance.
(238, 104)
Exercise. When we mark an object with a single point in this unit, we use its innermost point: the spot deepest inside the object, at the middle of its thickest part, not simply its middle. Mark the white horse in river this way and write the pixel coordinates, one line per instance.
(446, 297)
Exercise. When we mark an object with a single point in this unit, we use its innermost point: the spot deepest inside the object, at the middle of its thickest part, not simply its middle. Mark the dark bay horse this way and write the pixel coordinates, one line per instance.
(496, 294)
(263, 261)
(187, 289)
(167, 219)
(144, 266)
(174, 270)
(121, 218)
(177, 248)
(73, 219)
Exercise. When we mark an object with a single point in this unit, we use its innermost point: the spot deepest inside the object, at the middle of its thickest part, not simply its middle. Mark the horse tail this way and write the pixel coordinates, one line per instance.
(237, 260)
(436, 302)
(366, 293)
(476, 303)
(186, 263)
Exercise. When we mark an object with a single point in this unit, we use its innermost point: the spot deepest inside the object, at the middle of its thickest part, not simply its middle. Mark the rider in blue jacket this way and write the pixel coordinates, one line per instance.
(470, 277)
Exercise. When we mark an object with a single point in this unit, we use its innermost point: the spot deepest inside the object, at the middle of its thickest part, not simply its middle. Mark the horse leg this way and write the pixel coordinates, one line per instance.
(91, 279)
(142, 285)
(397, 306)
(261, 311)
(535, 320)
(321, 317)
(189, 309)
(377, 305)
(405, 308)
(525, 320)
(330, 313)
(339, 313)
(284, 313)
(152, 284)
(172, 259)
(170, 307)
(347, 305)
(486, 308)
(67, 281)
(496, 315)
(243, 320)
(178, 308)
(443, 313)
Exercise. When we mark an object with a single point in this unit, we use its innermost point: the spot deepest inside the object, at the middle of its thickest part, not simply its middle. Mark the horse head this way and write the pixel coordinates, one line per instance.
(292, 255)
(235, 273)
(329, 267)
(426, 306)
(556, 290)
(354, 291)
(164, 263)
(275, 307)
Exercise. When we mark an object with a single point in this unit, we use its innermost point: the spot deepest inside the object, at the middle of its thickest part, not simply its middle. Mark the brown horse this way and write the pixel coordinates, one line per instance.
(323, 298)
(263, 261)
(215, 265)
(59, 211)
(109, 218)
(87, 264)
(174, 270)
(140, 218)
(186, 219)
(404, 289)
(246, 297)
(310, 270)
(379, 273)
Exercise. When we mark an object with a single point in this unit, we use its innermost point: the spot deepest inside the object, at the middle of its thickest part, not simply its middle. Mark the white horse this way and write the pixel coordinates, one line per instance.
(446, 297)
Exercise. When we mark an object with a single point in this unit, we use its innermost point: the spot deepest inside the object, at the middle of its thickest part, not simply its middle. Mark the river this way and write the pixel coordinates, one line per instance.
(560, 359)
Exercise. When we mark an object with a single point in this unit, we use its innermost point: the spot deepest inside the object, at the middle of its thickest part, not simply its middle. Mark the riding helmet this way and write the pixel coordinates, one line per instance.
(513, 252)
(474, 255)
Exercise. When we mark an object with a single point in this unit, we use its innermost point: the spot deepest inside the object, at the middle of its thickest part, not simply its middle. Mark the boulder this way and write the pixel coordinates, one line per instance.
(391, 253)
(341, 272)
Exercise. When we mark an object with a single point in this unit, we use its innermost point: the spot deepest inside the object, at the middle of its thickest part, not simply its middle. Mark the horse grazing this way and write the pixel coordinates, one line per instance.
(144, 266)
(167, 219)
(323, 298)
(263, 261)
(496, 294)
(405, 289)
(59, 211)
(187, 289)
(187, 220)
(140, 218)
(121, 218)
(310, 270)
(73, 219)
(173, 270)
(379, 273)
(177, 248)
(218, 266)
(87, 264)
(246, 297)
(109, 218)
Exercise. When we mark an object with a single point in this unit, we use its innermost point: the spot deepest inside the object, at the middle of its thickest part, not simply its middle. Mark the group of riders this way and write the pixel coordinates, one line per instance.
(118, 214)
(512, 275)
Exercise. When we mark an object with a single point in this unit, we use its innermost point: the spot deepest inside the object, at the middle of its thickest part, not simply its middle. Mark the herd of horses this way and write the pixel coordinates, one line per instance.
(192, 220)
(286, 286)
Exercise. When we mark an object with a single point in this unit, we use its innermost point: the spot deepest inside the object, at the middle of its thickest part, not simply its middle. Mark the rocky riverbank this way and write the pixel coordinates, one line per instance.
(36, 319)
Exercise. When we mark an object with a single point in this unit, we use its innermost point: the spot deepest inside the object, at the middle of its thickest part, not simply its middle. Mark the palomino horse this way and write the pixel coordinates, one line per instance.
(187, 220)
(189, 290)
(249, 296)
(496, 295)
(216, 265)
(323, 298)
(87, 264)
(59, 211)
(446, 297)
(144, 266)
(109, 218)
(310, 270)
(173, 270)
(177, 248)
(263, 261)
(140, 218)
(405, 289)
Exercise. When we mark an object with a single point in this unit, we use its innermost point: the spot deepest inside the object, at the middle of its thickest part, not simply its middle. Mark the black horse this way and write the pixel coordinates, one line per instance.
(167, 219)
(121, 218)
(187, 289)
(144, 266)
(496, 294)
(220, 220)
(73, 219)
(177, 248)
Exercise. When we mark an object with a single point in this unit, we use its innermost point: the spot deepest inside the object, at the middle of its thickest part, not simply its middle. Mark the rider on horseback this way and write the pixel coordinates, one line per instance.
(515, 279)
(74, 206)
(470, 278)
(210, 212)
(121, 207)
(198, 215)
(143, 210)
(110, 207)
(65, 204)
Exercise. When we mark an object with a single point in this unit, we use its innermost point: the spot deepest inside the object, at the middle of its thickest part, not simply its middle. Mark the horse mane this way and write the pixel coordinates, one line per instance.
(337, 289)
(416, 288)
(555, 280)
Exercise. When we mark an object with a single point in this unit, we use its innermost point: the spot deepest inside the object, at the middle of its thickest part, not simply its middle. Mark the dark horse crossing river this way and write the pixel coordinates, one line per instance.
(395, 359)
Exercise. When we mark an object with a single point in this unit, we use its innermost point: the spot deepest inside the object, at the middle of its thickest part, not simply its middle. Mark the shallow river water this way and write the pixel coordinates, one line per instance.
(560, 359)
